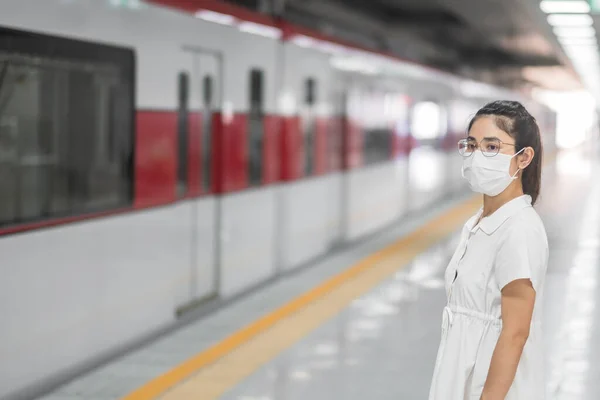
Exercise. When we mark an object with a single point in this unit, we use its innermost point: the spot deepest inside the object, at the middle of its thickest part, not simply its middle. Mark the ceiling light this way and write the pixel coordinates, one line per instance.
(332, 48)
(580, 55)
(575, 32)
(583, 70)
(577, 40)
(584, 49)
(573, 6)
(583, 65)
(586, 72)
(326, 47)
(587, 75)
(303, 41)
(581, 46)
(354, 65)
(570, 20)
(218, 18)
(260, 30)
(581, 49)
(131, 4)
(588, 81)
(583, 57)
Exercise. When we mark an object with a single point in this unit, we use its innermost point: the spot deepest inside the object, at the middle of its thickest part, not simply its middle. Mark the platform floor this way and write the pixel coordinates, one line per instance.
(371, 327)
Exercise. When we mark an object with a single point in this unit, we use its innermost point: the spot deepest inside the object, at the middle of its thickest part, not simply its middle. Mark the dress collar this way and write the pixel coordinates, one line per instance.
(492, 222)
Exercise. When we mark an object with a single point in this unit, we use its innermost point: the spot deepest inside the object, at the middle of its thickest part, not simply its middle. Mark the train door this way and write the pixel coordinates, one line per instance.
(335, 158)
(205, 85)
(344, 96)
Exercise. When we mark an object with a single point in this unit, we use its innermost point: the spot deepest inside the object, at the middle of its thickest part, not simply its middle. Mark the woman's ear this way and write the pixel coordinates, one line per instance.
(526, 157)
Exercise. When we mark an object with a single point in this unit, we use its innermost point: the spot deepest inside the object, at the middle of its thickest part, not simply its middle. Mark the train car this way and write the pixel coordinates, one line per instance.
(153, 159)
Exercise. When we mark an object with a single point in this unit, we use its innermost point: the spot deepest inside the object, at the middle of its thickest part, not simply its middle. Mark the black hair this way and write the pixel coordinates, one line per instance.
(514, 119)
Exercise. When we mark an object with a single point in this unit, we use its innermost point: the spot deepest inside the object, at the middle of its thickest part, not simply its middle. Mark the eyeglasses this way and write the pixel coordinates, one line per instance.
(488, 146)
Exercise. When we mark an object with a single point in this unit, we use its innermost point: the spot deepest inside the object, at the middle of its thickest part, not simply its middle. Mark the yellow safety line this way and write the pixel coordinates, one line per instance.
(212, 372)
(431, 232)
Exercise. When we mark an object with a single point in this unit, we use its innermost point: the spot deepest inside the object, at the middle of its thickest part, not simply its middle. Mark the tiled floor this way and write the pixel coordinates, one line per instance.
(384, 344)
(381, 347)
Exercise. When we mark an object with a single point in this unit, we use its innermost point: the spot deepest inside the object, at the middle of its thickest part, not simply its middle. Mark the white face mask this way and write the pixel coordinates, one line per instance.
(488, 175)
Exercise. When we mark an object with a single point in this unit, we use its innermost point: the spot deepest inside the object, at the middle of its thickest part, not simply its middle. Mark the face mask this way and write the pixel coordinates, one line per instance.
(488, 175)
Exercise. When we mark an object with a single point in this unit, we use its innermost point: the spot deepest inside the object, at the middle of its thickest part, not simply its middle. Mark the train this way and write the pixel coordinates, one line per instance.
(157, 155)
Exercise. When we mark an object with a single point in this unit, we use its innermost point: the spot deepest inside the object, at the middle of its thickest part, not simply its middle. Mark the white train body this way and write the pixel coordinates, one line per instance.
(184, 223)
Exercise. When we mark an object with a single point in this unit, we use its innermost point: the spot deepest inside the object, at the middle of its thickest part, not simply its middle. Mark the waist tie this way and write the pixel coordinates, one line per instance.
(451, 310)
(449, 314)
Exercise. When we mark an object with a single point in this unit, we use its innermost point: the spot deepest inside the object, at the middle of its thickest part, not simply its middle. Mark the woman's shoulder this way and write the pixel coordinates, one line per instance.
(527, 225)
(528, 218)
(525, 238)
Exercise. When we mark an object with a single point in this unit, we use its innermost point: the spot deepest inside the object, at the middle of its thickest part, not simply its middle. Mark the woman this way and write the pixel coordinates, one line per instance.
(491, 347)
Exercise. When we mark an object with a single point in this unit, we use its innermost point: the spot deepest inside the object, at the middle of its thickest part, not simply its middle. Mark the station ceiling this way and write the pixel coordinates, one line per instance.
(505, 42)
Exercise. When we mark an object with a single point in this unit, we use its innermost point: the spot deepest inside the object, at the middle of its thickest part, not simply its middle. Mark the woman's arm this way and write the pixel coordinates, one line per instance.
(518, 298)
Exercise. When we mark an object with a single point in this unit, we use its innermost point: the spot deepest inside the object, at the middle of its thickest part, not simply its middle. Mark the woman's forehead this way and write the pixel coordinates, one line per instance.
(485, 127)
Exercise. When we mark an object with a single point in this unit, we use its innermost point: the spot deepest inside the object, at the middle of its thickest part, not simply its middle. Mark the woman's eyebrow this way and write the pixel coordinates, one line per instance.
(486, 137)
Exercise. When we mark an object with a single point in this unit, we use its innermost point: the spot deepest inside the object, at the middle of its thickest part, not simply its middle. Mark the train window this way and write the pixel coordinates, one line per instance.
(310, 91)
(207, 85)
(309, 126)
(377, 128)
(256, 88)
(256, 127)
(66, 127)
(182, 131)
(335, 131)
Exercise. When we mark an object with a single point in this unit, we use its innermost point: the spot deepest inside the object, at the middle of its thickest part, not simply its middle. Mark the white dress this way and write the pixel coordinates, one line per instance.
(507, 245)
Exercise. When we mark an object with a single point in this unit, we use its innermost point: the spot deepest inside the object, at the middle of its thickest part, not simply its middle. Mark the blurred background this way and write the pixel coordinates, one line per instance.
(164, 162)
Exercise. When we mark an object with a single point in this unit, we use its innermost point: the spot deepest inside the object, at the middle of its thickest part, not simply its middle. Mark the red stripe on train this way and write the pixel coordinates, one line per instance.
(321, 145)
(155, 175)
(156, 157)
(293, 148)
(271, 165)
(231, 152)
(290, 148)
(352, 144)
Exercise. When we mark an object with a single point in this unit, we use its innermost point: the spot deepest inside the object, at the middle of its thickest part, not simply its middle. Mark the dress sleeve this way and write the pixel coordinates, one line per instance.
(518, 257)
